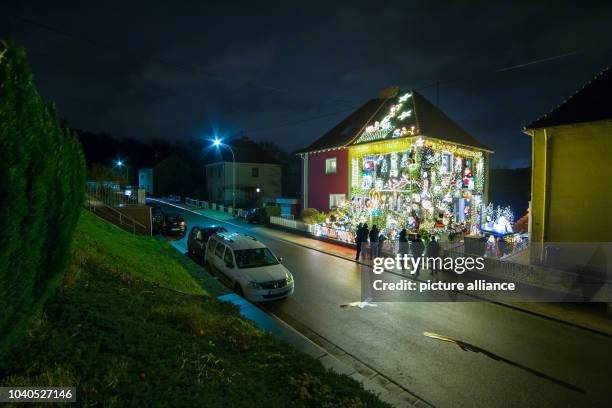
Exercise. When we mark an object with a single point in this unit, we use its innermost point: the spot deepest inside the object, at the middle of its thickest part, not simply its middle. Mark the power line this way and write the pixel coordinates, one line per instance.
(159, 61)
(303, 120)
(498, 70)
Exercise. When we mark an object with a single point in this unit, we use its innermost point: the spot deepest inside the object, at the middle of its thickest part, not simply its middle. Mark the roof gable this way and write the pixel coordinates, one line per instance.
(345, 131)
(396, 115)
(589, 104)
(433, 123)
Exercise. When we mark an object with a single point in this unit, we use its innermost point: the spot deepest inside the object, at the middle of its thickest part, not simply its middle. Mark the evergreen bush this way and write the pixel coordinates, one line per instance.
(42, 179)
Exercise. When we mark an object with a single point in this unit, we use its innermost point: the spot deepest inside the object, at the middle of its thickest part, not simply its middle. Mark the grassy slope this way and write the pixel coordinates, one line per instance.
(122, 339)
(142, 257)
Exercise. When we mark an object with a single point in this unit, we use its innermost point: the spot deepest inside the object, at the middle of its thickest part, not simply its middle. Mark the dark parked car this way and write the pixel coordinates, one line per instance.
(157, 217)
(173, 224)
(198, 237)
(254, 215)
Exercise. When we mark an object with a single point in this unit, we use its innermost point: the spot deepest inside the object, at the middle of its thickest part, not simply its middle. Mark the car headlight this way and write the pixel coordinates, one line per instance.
(254, 285)
(289, 278)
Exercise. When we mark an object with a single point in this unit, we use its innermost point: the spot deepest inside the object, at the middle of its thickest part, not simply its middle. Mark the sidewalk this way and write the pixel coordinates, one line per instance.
(585, 316)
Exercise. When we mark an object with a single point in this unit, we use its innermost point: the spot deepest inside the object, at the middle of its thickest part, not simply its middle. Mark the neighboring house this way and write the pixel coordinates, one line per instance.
(258, 175)
(168, 175)
(570, 183)
(402, 160)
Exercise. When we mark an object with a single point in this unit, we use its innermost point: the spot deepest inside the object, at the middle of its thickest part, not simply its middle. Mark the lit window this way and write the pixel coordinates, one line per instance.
(468, 163)
(330, 165)
(336, 199)
(255, 172)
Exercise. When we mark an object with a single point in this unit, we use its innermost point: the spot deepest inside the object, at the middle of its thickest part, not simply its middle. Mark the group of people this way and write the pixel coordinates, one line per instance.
(409, 243)
(361, 237)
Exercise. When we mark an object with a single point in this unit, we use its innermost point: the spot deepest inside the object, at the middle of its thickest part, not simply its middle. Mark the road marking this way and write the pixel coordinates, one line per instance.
(475, 349)
(360, 304)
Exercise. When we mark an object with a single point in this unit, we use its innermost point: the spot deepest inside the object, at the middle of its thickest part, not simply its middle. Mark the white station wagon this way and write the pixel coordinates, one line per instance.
(251, 269)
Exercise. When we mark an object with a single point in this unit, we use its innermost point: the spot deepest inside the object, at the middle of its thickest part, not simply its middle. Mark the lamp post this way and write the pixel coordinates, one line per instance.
(120, 163)
(217, 142)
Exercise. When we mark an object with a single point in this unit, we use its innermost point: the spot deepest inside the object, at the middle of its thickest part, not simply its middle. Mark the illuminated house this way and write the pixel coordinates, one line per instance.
(398, 161)
(571, 150)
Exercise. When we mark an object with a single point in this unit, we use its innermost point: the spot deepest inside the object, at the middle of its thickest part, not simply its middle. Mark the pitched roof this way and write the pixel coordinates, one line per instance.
(591, 103)
(345, 131)
(428, 120)
(432, 122)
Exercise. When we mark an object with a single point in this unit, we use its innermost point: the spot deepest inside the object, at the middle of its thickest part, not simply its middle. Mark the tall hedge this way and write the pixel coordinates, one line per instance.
(42, 179)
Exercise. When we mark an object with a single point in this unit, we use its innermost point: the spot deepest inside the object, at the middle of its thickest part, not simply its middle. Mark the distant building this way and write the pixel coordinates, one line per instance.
(571, 150)
(168, 175)
(258, 175)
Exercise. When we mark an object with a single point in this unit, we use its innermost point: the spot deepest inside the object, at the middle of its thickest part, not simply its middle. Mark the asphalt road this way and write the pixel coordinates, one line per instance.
(519, 359)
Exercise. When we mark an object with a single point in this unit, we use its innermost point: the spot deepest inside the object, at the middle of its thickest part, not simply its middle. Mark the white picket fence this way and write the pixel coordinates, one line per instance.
(213, 206)
(294, 224)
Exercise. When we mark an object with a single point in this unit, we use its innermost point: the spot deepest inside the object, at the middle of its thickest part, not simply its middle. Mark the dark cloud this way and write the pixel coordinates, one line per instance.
(232, 66)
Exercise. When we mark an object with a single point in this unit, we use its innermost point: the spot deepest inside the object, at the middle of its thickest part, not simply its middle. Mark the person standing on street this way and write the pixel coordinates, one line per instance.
(374, 235)
(364, 239)
(417, 247)
(433, 251)
(358, 240)
(403, 244)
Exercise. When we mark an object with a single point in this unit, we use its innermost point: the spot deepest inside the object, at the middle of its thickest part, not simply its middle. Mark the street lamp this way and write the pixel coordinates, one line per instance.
(119, 163)
(217, 143)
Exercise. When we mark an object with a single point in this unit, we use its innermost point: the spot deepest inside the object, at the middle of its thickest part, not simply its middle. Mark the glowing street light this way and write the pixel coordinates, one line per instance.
(217, 143)
(119, 163)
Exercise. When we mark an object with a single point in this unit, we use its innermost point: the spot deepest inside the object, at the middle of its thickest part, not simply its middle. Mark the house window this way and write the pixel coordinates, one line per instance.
(330, 165)
(468, 163)
(336, 199)
(447, 163)
(255, 172)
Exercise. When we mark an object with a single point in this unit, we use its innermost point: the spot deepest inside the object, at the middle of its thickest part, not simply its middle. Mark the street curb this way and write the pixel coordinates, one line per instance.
(502, 304)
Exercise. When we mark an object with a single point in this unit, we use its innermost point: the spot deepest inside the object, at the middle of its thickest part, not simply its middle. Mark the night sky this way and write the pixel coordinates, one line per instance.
(187, 69)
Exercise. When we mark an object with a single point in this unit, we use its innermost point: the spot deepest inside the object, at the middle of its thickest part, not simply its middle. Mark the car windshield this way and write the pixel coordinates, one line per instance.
(254, 258)
(172, 218)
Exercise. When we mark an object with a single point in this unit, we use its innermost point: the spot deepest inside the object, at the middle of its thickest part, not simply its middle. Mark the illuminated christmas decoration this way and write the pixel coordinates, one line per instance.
(388, 125)
(405, 97)
(404, 115)
(401, 178)
(498, 220)
(394, 171)
(355, 172)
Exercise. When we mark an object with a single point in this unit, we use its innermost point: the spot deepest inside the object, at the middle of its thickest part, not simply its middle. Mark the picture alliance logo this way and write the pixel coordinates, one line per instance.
(413, 264)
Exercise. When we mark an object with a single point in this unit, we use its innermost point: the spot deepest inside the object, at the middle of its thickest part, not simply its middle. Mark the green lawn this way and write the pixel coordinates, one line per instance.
(119, 330)
(141, 257)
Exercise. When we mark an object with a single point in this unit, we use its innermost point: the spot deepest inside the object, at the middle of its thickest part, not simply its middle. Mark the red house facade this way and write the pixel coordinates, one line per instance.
(328, 171)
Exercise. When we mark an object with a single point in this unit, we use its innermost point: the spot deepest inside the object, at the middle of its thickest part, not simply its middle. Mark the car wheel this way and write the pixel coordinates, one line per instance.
(238, 290)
